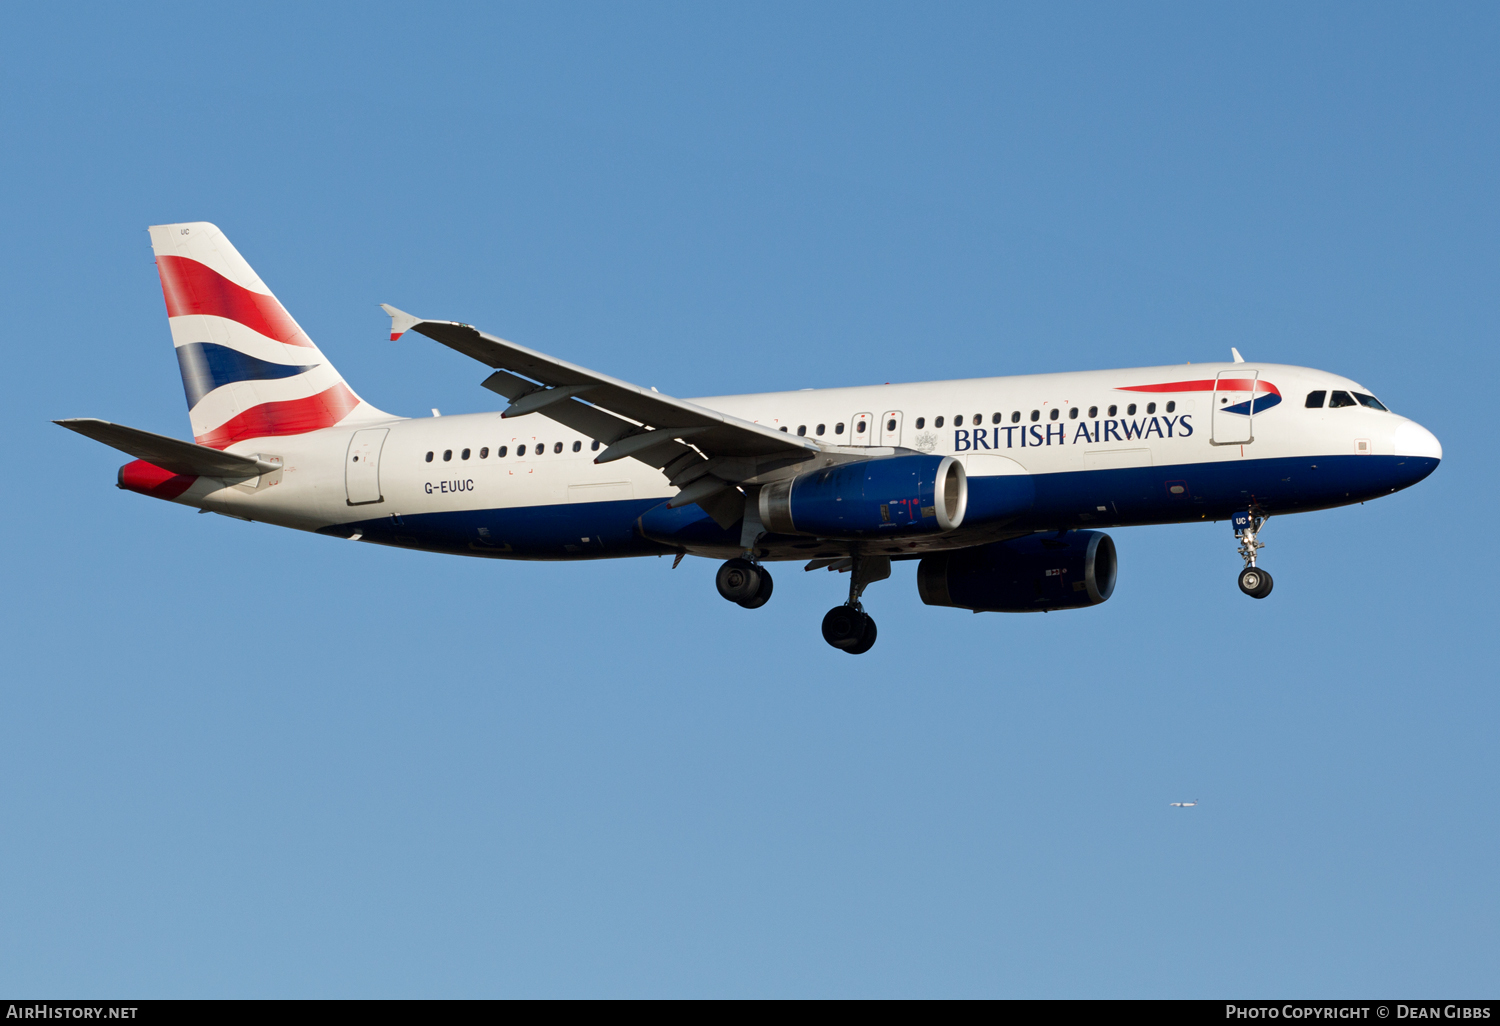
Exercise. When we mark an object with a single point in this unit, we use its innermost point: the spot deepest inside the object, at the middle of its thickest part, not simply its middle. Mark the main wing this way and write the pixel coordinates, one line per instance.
(703, 452)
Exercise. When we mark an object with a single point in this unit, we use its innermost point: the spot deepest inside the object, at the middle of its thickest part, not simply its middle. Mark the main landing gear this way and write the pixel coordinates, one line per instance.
(848, 627)
(1254, 581)
(744, 583)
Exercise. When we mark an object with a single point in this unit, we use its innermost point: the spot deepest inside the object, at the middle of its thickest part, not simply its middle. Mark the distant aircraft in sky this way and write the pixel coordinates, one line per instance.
(1000, 502)
(1183, 805)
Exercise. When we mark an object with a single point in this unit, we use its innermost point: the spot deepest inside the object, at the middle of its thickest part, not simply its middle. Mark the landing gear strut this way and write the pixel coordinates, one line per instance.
(848, 627)
(1254, 581)
(744, 583)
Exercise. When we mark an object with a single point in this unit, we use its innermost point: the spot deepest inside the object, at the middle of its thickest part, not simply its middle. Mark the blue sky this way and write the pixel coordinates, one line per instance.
(241, 761)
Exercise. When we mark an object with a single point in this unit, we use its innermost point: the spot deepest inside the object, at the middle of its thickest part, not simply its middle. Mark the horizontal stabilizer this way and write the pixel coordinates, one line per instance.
(169, 453)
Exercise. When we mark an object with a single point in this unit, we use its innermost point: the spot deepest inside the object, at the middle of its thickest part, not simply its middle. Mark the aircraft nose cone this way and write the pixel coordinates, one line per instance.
(1412, 439)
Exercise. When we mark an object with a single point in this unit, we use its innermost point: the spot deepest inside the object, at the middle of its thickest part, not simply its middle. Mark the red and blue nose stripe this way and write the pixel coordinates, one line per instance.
(1255, 404)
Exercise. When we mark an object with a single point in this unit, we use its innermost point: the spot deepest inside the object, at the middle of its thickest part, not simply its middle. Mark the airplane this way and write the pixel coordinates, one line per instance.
(1183, 805)
(998, 487)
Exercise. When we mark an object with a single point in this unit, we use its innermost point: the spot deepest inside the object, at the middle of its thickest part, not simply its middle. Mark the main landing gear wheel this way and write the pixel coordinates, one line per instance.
(1255, 582)
(763, 594)
(849, 629)
(744, 583)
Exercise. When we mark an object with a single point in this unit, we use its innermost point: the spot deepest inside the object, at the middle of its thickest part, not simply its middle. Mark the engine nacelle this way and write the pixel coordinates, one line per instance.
(1023, 575)
(896, 495)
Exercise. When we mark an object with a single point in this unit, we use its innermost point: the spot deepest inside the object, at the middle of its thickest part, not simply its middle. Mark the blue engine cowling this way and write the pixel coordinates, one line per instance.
(897, 495)
(1023, 575)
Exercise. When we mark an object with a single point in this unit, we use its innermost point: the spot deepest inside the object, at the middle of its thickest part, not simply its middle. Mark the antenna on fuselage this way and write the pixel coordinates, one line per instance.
(1237, 357)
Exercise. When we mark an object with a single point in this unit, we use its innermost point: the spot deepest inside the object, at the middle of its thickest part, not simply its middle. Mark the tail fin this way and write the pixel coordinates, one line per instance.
(249, 370)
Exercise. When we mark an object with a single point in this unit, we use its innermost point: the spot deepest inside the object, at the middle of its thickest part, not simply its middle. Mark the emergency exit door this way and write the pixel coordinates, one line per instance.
(890, 427)
(862, 430)
(362, 466)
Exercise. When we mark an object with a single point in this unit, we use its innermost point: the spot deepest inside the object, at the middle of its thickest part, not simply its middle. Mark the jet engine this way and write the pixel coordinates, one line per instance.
(895, 495)
(1023, 575)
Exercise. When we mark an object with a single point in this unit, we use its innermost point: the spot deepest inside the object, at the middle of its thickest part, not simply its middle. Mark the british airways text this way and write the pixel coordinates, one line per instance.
(1022, 436)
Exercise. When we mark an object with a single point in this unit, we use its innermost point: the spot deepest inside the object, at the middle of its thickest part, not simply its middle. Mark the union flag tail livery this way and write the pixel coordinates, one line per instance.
(997, 486)
(248, 369)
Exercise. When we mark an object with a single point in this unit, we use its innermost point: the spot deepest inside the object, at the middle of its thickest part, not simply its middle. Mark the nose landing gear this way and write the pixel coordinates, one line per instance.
(1254, 581)
(848, 627)
(744, 583)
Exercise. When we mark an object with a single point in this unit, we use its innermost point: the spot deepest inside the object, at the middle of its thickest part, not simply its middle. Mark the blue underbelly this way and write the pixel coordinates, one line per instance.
(1117, 497)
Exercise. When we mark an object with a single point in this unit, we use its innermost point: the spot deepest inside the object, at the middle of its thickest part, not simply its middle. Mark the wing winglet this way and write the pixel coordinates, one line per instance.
(401, 321)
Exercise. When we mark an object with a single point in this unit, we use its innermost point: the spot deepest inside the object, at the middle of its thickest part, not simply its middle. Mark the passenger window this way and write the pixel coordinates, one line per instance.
(464, 455)
(838, 429)
(1054, 413)
(802, 429)
(1172, 406)
(447, 455)
(1073, 413)
(958, 421)
(978, 419)
(429, 457)
(783, 429)
(859, 428)
(1015, 418)
(890, 425)
(1130, 410)
(557, 447)
(484, 453)
(1036, 415)
(541, 447)
(500, 452)
(821, 428)
(1093, 412)
(921, 423)
(595, 446)
(938, 422)
(1315, 399)
(1369, 402)
(577, 446)
(997, 418)
(1150, 407)
(1340, 399)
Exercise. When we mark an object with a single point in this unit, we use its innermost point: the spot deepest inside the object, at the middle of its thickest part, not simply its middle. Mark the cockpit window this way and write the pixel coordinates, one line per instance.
(1315, 399)
(1340, 399)
(1370, 402)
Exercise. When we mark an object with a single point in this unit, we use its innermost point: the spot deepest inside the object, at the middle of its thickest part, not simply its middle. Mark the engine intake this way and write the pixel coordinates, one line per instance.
(897, 495)
(1023, 575)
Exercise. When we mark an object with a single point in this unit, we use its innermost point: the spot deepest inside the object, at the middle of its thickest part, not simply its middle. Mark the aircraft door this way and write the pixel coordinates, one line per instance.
(1233, 416)
(862, 430)
(890, 427)
(362, 466)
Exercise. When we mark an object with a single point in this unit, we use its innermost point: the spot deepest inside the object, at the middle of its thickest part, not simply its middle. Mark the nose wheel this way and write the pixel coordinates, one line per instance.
(1254, 581)
(744, 583)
